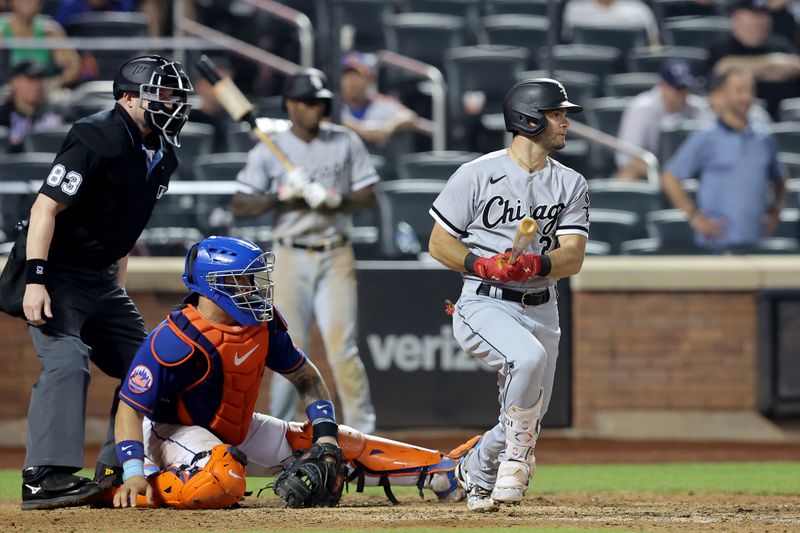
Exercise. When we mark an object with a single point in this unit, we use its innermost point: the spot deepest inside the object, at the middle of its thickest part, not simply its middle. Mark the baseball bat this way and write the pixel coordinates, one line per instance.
(238, 106)
(523, 238)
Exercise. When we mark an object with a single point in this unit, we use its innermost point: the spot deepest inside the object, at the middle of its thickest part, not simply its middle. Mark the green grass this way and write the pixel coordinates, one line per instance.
(675, 478)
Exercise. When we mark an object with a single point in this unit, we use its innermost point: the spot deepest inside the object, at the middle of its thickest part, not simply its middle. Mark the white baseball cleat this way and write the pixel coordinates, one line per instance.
(478, 499)
(512, 481)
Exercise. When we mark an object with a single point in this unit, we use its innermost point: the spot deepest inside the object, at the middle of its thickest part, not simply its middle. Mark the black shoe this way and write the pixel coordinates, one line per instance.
(52, 487)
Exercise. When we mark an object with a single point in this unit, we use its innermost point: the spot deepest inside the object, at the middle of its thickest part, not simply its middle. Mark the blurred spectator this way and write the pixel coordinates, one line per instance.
(770, 58)
(373, 116)
(669, 103)
(72, 8)
(210, 110)
(785, 15)
(61, 67)
(737, 165)
(631, 13)
(26, 109)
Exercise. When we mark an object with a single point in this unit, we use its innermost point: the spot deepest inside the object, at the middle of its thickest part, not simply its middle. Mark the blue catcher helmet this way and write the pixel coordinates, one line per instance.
(234, 274)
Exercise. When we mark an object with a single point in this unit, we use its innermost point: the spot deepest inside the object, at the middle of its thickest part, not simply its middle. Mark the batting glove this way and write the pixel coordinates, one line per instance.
(526, 266)
(495, 268)
(314, 194)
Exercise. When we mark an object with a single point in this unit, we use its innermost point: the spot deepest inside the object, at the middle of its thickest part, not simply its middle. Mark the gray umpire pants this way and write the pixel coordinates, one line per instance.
(93, 320)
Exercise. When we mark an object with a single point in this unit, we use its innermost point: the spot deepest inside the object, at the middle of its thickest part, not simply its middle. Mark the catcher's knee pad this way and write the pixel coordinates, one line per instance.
(220, 483)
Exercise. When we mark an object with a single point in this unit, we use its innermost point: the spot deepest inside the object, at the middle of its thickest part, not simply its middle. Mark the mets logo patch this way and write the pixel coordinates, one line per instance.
(140, 380)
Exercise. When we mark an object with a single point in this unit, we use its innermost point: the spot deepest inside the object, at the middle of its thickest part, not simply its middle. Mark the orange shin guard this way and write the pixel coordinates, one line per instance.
(376, 455)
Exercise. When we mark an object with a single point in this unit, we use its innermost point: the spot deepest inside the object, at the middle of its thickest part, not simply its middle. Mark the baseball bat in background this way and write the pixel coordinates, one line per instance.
(523, 238)
(238, 106)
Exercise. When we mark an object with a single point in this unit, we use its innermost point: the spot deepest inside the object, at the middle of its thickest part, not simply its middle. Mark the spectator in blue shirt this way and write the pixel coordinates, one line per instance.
(72, 8)
(742, 182)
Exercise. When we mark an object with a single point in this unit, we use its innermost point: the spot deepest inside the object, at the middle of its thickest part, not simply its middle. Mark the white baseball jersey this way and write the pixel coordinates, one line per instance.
(336, 158)
(485, 200)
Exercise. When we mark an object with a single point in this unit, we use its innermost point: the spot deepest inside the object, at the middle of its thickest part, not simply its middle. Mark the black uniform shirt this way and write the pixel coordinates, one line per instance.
(771, 91)
(110, 184)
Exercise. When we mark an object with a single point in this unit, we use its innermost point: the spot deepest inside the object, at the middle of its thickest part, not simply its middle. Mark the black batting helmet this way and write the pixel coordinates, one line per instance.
(306, 85)
(527, 99)
(147, 76)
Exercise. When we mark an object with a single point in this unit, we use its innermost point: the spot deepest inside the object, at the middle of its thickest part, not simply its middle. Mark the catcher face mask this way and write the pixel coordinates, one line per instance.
(166, 95)
(246, 294)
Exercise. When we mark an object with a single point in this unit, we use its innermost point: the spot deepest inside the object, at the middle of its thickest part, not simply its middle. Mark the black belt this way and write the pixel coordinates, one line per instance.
(324, 246)
(527, 299)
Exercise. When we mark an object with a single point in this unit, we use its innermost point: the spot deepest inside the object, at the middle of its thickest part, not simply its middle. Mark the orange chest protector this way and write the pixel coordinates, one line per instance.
(223, 399)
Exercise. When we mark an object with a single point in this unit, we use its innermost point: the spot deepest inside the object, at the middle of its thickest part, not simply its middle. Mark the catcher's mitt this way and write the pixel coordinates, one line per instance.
(311, 481)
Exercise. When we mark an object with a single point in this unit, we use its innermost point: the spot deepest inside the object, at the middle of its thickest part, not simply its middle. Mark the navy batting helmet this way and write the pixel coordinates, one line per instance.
(527, 99)
(307, 85)
(147, 76)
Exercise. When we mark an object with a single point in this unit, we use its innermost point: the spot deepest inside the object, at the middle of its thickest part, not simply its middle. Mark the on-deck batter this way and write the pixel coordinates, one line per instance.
(507, 315)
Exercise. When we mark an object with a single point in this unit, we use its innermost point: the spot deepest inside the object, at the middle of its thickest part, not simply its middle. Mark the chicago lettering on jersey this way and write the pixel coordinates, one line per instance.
(500, 210)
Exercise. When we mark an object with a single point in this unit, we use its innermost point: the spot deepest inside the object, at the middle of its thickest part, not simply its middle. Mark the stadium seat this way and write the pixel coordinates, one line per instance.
(432, 165)
(673, 138)
(25, 167)
(667, 9)
(403, 206)
(469, 10)
(789, 226)
(671, 227)
(605, 115)
(489, 69)
(701, 32)
(597, 248)
(598, 60)
(195, 140)
(789, 110)
(792, 162)
(168, 241)
(517, 7)
(219, 166)
(613, 227)
(650, 59)
(366, 18)
(108, 24)
(576, 155)
(424, 36)
(630, 83)
(635, 196)
(3, 139)
(239, 138)
(47, 141)
(792, 193)
(526, 31)
(580, 86)
(623, 38)
(787, 134)
(89, 106)
(271, 107)
(652, 246)
(767, 246)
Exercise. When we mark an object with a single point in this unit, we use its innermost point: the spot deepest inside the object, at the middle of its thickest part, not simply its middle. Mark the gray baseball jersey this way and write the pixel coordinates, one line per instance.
(336, 158)
(485, 199)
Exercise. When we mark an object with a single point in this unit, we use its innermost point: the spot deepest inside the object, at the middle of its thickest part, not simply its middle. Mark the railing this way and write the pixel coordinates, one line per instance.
(611, 142)
(110, 43)
(436, 127)
(305, 31)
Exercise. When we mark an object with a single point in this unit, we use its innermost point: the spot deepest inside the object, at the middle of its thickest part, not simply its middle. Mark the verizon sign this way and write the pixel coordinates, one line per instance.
(419, 375)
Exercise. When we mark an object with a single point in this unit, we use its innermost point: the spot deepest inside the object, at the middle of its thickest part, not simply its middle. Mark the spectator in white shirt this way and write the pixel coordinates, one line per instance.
(629, 13)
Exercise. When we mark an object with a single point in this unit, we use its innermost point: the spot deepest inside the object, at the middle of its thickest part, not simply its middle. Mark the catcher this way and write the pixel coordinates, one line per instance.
(189, 397)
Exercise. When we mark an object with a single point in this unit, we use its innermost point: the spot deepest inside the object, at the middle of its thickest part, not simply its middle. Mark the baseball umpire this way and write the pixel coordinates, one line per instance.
(91, 209)
(507, 315)
(312, 204)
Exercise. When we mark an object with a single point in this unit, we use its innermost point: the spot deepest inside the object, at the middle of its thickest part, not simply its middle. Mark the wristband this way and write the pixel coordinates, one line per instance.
(131, 468)
(547, 265)
(324, 428)
(321, 410)
(130, 449)
(469, 262)
(35, 271)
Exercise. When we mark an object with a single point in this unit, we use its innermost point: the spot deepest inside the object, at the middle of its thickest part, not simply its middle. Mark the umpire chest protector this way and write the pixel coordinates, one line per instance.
(231, 360)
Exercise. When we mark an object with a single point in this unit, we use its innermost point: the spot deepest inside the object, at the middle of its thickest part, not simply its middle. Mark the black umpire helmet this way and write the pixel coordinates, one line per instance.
(527, 99)
(307, 85)
(146, 76)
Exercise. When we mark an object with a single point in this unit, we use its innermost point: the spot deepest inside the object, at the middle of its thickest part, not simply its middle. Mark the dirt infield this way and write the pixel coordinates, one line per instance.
(626, 511)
